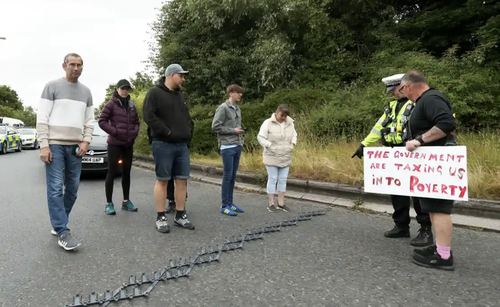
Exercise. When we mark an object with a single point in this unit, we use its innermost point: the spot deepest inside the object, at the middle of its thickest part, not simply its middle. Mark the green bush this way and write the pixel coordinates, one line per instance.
(349, 113)
(204, 139)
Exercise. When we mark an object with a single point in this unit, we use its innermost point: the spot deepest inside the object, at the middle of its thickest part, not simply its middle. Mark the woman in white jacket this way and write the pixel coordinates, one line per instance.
(278, 137)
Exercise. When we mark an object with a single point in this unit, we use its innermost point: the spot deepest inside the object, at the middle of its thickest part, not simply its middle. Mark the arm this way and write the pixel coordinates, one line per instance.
(375, 134)
(218, 121)
(88, 125)
(104, 118)
(43, 115)
(150, 118)
(294, 136)
(136, 122)
(192, 132)
(437, 111)
(150, 137)
(263, 135)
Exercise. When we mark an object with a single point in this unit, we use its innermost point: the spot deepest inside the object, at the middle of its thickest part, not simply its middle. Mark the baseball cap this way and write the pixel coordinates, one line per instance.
(175, 69)
(123, 83)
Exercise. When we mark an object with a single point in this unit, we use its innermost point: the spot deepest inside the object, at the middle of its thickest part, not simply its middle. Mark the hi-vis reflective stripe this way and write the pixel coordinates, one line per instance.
(11, 139)
(376, 131)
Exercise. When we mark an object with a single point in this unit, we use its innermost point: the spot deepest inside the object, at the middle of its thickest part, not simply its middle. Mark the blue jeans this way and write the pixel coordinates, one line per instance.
(276, 176)
(230, 162)
(65, 169)
(171, 160)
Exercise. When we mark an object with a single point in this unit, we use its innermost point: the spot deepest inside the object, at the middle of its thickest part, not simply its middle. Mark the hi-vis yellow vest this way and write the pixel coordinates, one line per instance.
(396, 122)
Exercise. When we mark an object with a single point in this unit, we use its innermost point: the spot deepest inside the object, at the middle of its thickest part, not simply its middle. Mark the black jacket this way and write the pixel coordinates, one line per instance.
(167, 116)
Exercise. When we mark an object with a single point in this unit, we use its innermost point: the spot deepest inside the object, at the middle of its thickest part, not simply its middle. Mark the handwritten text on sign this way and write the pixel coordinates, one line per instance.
(433, 172)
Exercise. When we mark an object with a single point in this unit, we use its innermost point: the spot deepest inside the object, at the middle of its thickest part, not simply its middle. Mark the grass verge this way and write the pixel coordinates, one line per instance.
(332, 162)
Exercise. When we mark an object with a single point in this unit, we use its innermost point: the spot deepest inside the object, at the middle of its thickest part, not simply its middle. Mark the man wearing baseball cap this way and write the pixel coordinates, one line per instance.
(166, 114)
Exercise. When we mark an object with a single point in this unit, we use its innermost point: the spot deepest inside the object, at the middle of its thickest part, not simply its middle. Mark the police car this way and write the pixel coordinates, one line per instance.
(29, 137)
(9, 139)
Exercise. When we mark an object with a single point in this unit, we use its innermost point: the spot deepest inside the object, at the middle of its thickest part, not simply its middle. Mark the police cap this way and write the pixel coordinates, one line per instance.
(392, 81)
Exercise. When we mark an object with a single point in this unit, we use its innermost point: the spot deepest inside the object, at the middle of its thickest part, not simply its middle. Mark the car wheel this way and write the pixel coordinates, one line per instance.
(19, 147)
(4, 148)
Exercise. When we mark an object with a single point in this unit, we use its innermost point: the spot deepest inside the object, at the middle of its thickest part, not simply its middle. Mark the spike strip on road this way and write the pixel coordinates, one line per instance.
(183, 267)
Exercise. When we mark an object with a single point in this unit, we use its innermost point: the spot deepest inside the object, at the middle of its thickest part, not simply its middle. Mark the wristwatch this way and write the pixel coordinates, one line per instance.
(420, 139)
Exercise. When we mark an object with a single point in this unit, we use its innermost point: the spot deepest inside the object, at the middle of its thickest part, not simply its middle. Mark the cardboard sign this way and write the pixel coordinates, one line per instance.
(430, 172)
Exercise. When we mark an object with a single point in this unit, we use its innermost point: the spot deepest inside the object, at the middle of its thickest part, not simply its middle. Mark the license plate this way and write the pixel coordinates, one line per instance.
(92, 160)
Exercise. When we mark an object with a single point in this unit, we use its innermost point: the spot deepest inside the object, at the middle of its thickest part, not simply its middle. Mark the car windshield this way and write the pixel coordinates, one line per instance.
(98, 131)
(3, 130)
(26, 132)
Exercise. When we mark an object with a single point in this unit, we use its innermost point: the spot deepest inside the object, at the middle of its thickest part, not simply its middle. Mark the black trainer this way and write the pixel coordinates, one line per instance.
(170, 206)
(435, 261)
(182, 221)
(397, 232)
(424, 237)
(426, 252)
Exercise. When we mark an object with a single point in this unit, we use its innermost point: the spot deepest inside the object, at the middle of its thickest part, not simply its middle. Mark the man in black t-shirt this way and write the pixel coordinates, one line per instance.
(430, 124)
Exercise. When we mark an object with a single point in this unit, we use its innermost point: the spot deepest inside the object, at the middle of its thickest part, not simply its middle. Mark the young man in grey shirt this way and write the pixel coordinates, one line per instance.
(64, 125)
(227, 125)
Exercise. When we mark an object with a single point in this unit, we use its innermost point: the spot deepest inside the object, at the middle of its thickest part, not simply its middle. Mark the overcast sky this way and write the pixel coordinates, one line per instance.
(111, 36)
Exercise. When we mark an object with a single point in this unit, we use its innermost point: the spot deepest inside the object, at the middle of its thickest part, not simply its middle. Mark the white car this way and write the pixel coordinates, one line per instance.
(29, 138)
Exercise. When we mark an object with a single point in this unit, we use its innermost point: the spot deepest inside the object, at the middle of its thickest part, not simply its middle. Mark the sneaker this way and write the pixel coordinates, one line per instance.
(397, 232)
(170, 207)
(162, 225)
(435, 261)
(284, 208)
(68, 242)
(272, 208)
(426, 252)
(110, 209)
(236, 209)
(129, 206)
(228, 211)
(424, 237)
(53, 232)
(183, 222)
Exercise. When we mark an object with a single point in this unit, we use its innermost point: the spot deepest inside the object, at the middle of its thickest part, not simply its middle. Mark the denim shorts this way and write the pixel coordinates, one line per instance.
(171, 160)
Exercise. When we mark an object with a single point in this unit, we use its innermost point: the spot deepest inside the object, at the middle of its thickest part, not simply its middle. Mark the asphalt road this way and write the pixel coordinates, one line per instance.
(340, 259)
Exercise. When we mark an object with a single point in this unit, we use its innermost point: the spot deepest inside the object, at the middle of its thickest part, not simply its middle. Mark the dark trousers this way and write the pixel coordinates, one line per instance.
(115, 153)
(171, 190)
(401, 215)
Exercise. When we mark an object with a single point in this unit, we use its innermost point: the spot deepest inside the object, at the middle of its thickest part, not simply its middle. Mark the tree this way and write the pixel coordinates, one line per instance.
(9, 98)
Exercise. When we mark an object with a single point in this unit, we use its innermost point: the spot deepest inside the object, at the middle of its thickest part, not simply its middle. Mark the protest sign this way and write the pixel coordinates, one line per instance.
(431, 172)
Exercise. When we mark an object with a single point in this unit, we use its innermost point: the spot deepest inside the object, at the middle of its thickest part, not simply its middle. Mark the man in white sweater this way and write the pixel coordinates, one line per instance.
(64, 125)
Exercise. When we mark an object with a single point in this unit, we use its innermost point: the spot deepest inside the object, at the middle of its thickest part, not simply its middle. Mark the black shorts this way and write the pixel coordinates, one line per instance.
(434, 205)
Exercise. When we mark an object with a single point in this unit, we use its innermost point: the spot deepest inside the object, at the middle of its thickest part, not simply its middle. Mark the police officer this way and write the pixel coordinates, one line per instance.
(389, 130)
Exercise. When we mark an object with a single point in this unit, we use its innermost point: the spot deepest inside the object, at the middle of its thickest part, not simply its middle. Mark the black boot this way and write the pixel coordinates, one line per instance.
(424, 237)
(397, 232)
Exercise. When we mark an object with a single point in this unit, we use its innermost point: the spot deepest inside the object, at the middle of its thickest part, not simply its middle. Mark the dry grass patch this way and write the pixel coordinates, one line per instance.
(332, 162)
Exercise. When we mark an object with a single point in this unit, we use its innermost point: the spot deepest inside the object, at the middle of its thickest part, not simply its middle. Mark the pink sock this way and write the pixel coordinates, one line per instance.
(443, 251)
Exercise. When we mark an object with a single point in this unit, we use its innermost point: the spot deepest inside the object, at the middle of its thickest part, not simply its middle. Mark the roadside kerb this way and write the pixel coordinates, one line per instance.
(474, 207)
